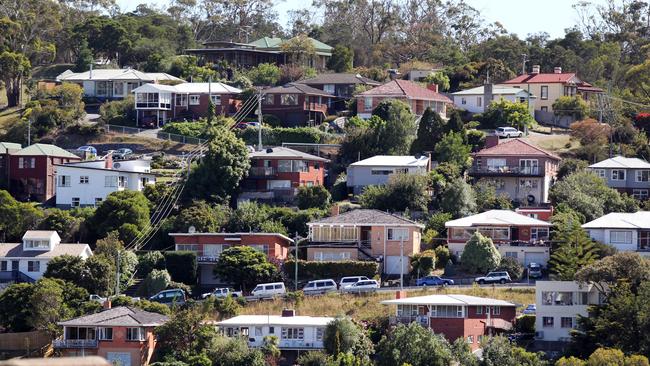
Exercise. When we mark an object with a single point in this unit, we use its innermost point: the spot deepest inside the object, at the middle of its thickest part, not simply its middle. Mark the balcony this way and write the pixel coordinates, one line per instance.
(74, 343)
(292, 344)
(262, 172)
(364, 244)
(315, 107)
(423, 320)
(506, 170)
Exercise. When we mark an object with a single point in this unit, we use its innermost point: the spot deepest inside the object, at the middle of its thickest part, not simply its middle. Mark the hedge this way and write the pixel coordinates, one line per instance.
(310, 270)
(190, 129)
(276, 136)
(182, 266)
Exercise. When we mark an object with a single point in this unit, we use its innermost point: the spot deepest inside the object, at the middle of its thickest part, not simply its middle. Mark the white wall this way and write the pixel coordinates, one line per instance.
(540, 253)
(603, 236)
(258, 340)
(360, 177)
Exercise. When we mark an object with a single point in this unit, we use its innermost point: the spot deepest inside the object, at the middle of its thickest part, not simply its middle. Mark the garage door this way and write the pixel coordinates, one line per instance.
(393, 262)
(539, 258)
(119, 358)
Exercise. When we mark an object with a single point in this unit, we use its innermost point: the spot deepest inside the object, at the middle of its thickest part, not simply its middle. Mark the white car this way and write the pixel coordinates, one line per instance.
(97, 298)
(318, 287)
(222, 292)
(508, 132)
(363, 286)
(347, 281)
(269, 290)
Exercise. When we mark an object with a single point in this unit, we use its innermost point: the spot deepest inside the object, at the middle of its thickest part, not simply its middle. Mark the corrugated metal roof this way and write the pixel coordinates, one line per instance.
(448, 300)
(393, 160)
(198, 88)
(338, 78)
(277, 320)
(9, 146)
(46, 150)
(621, 220)
(496, 218)
(284, 152)
(115, 74)
(622, 162)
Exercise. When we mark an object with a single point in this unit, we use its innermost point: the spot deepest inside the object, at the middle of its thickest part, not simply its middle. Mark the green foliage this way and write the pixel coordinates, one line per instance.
(480, 255)
(205, 218)
(16, 217)
(462, 353)
(95, 274)
(414, 345)
(84, 57)
(15, 318)
(276, 136)
(153, 307)
(312, 270)
(119, 210)
(476, 139)
(185, 335)
(295, 221)
(61, 221)
(402, 192)
(182, 266)
(452, 149)
(512, 266)
(430, 130)
(396, 130)
(506, 113)
(226, 307)
(487, 198)
(244, 267)
(574, 106)
(191, 128)
(234, 352)
(525, 324)
(313, 197)
(341, 60)
(570, 361)
(498, 351)
(458, 198)
(149, 261)
(313, 358)
(439, 78)
(119, 112)
(569, 165)
(342, 335)
(443, 256)
(574, 251)
(264, 74)
(624, 267)
(271, 347)
(422, 264)
(156, 281)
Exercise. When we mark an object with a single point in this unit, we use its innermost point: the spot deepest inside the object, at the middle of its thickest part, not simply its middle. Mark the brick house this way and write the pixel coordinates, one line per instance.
(277, 172)
(515, 235)
(341, 85)
(122, 335)
(517, 168)
(156, 104)
(416, 96)
(6, 149)
(32, 171)
(208, 247)
(297, 104)
(455, 316)
(364, 234)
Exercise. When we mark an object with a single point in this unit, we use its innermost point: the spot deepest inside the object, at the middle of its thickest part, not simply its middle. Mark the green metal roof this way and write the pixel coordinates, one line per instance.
(5, 146)
(274, 43)
(267, 42)
(45, 150)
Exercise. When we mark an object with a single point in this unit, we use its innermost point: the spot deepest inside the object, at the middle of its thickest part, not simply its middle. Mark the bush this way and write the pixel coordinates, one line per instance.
(309, 270)
(313, 197)
(276, 136)
(339, 189)
(118, 112)
(422, 264)
(182, 266)
(313, 358)
(121, 300)
(191, 129)
(512, 266)
(480, 255)
(443, 256)
(149, 261)
(227, 307)
(525, 324)
(154, 307)
(476, 139)
(272, 120)
(155, 282)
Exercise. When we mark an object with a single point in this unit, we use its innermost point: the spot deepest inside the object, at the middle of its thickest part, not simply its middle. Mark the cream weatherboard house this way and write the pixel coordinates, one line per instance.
(625, 231)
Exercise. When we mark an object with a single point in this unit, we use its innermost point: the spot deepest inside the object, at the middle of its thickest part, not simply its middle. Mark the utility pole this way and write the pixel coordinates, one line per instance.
(259, 120)
(523, 63)
(117, 274)
(401, 265)
(29, 130)
(296, 239)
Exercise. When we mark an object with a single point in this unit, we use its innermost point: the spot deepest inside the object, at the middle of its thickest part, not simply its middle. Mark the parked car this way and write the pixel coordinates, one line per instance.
(347, 281)
(530, 309)
(364, 286)
(508, 132)
(268, 290)
(222, 292)
(534, 270)
(433, 281)
(318, 287)
(122, 153)
(245, 125)
(494, 277)
(88, 149)
(170, 297)
(97, 298)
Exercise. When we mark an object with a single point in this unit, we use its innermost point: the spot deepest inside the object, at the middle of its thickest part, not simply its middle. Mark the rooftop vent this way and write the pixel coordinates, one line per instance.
(268, 151)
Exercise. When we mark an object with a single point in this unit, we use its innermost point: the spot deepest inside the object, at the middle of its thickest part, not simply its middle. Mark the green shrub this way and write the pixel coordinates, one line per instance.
(121, 300)
(182, 266)
(118, 112)
(476, 139)
(423, 263)
(191, 129)
(272, 120)
(227, 307)
(525, 324)
(276, 136)
(313, 197)
(512, 266)
(149, 261)
(155, 282)
(310, 270)
(154, 307)
(480, 255)
(443, 256)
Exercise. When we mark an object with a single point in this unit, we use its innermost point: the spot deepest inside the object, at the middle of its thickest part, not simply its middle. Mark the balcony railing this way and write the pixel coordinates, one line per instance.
(262, 172)
(507, 170)
(315, 107)
(15, 276)
(74, 343)
(300, 344)
(366, 244)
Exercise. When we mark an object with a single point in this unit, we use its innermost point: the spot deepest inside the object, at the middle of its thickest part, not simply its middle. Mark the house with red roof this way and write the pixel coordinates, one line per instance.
(548, 87)
(517, 168)
(416, 96)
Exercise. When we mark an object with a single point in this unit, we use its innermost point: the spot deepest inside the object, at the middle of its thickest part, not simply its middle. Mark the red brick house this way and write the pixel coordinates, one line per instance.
(413, 94)
(341, 85)
(6, 149)
(32, 171)
(297, 104)
(208, 247)
(277, 172)
(455, 316)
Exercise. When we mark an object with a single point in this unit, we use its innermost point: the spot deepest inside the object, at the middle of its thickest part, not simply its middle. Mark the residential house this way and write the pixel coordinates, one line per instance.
(417, 97)
(517, 168)
(208, 248)
(294, 333)
(277, 172)
(156, 104)
(365, 235)
(297, 104)
(32, 171)
(123, 335)
(627, 175)
(559, 303)
(88, 183)
(541, 213)
(625, 231)
(470, 318)
(515, 235)
(341, 85)
(113, 83)
(27, 261)
(378, 169)
(6, 149)
(476, 100)
(420, 74)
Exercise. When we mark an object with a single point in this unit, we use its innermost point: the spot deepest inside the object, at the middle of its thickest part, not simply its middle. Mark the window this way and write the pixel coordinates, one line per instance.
(319, 334)
(557, 298)
(63, 180)
(216, 99)
(470, 339)
(331, 257)
(293, 333)
(367, 104)
(135, 334)
(101, 88)
(84, 179)
(620, 237)
(3, 266)
(271, 330)
(258, 331)
(544, 109)
(528, 183)
(118, 88)
(329, 88)
(130, 86)
(122, 181)
(26, 163)
(566, 322)
(398, 234)
(640, 194)
(381, 172)
(189, 247)
(110, 181)
(33, 266)
(98, 201)
(264, 248)
(105, 334)
(463, 101)
(195, 99)
(512, 255)
(268, 99)
(447, 311)
(181, 100)
(495, 165)
(643, 175)
(539, 233)
(618, 174)
(544, 92)
(547, 321)
(37, 244)
(600, 173)
(479, 101)
(288, 99)
(75, 202)
(529, 166)
(479, 310)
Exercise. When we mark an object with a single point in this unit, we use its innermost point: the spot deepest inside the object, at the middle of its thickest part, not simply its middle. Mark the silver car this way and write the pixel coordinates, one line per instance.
(364, 286)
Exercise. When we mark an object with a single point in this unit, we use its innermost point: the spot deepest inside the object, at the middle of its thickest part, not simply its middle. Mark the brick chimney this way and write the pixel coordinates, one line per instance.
(335, 210)
(288, 313)
(488, 95)
(535, 69)
(557, 70)
(400, 295)
(491, 141)
(108, 161)
(433, 87)
(107, 304)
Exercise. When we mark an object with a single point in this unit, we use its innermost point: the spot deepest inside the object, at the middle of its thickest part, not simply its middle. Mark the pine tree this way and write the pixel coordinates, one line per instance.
(576, 250)
(430, 130)
(84, 57)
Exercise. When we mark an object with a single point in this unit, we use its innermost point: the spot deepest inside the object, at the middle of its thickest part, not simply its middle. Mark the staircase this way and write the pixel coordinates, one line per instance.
(132, 290)
(365, 251)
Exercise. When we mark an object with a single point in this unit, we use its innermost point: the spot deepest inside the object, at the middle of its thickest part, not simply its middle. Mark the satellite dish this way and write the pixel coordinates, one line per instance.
(191, 230)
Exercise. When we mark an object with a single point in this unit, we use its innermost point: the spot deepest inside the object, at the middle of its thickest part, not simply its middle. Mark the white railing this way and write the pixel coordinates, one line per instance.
(74, 343)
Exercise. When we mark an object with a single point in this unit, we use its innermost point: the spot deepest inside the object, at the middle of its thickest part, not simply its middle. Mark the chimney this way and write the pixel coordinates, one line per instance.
(433, 87)
(90, 73)
(108, 161)
(335, 210)
(107, 304)
(487, 95)
(400, 294)
(535, 69)
(287, 313)
(491, 141)
(557, 70)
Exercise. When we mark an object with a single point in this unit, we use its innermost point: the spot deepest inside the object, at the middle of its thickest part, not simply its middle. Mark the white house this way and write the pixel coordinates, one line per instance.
(628, 232)
(558, 305)
(88, 183)
(113, 83)
(294, 332)
(378, 169)
(27, 261)
(476, 100)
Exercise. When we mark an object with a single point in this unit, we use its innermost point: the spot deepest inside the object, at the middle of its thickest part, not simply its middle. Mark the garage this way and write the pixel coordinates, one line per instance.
(119, 358)
(393, 264)
(536, 257)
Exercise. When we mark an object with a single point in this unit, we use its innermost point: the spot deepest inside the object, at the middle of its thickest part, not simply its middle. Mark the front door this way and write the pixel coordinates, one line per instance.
(15, 265)
(514, 233)
(644, 240)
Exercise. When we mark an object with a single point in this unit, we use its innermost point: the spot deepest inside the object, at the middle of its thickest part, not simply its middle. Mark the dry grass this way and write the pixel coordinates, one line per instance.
(366, 307)
(554, 143)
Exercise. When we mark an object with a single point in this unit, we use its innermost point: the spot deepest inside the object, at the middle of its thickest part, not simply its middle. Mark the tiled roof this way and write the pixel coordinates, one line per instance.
(15, 250)
(622, 162)
(296, 88)
(496, 218)
(45, 150)
(544, 78)
(405, 88)
(9, 146)
(366, 217)
(118, 316)
(339, 78)
(284, 152)
(516, 147)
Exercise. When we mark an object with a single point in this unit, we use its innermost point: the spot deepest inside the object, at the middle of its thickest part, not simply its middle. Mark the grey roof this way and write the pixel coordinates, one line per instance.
(284, 152)
(46, 150)
(339, 78)
(118, 316)
(296, 88)
(9, 147)
(15, 250)
(451, 299)
(622, 162)
(621, 220)
(366, 217)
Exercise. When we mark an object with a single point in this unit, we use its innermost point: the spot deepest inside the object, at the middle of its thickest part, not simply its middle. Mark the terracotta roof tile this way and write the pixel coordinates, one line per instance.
(543, 78)
(405, 88)
(366, 217)
(517, 147)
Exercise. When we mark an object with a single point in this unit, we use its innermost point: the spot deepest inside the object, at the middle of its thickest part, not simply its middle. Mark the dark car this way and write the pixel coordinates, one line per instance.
(433, 281)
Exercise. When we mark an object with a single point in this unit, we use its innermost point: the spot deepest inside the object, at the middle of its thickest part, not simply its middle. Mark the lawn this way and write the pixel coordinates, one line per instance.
(556, 143)
(366, 307)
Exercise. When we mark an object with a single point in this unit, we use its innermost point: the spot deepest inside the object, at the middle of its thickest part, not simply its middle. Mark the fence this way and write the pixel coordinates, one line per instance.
(179, 138)
(160, 135)
(24, 341)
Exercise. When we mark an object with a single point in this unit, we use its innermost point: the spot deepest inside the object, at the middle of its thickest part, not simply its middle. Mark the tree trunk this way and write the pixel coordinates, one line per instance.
(12, 87)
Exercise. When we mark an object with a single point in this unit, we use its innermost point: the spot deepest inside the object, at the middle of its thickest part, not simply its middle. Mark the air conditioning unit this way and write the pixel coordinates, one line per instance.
(539, 335)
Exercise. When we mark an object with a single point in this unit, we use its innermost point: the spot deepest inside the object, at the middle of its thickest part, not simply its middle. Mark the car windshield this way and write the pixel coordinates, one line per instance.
(258, 288)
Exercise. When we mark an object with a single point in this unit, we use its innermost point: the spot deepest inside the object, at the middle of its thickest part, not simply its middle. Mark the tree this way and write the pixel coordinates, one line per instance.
(570, 361)
(503, 112)
(156, 281)
(16, 217)
(313, 358)
(13, 68)
(574, 251)
(395, 134)
(487, 198)
(15, 318)
(480, 255)
(512, 266)
(458, 198)
(70, 268)
(61, 221)
(244, 267)
(498, 351)
(462, 353)
(403, 191)
(48, 305)
(342, 335)
(438, 78)
(121, 211)
(422, 264)
(84, 57)
(624, 267)
(430, 130)
(569, 165)
(264, 74)
(341, 60)
(218, 174)
(234, 352)
(185, 334)
(150, 261)
(573, 106)
(413, 345)
(313, 197)
(204, 217)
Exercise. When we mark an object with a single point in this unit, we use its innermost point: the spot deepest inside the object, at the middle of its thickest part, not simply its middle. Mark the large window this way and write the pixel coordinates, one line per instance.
(620, 237)
(181, 100)
(618, 174)
(293, 333)
(293, 166)
(195, 99)
(495, 165)
(33, 266)
(640, 194)
(63, 181)
(544, 92)
(118, 88)
(539, 233)
(26, 163)
(188, 247)
(216, 99)
(643, 175)
(447, 311)
(135, 334)
(289, 99)
(37, 244)
(367, 104)
(268, 99)
(110, 181)
(334, 233)
(102, 88)
(331, 256)
(105, 334)
(557, 298)
(147, 100)
(398, 234)
(529, 166)
(381, 172)
(547, 321)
